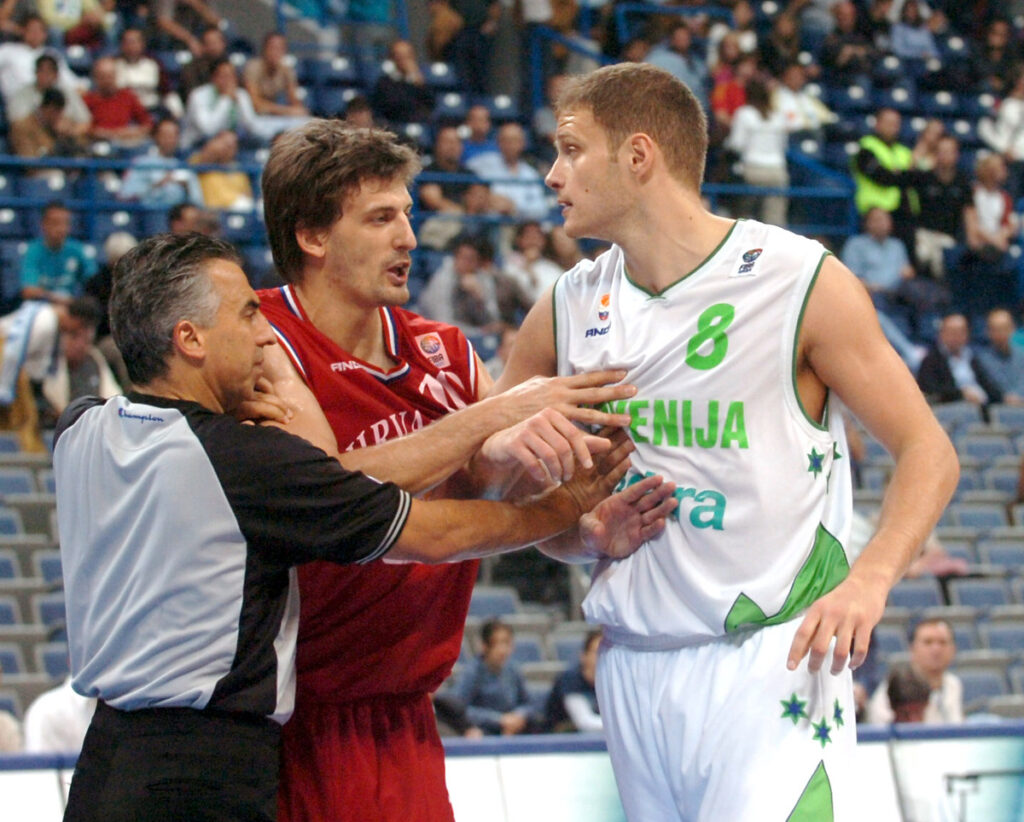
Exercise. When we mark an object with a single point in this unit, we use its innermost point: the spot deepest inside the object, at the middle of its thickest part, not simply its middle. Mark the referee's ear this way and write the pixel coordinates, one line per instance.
(189, 342)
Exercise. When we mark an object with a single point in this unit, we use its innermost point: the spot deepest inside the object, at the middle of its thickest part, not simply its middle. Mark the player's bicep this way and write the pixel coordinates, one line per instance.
(843, 344)
(533, 353)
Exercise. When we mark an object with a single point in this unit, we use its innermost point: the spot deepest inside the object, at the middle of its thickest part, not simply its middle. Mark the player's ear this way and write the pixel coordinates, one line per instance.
(640, 151)
(312, 241)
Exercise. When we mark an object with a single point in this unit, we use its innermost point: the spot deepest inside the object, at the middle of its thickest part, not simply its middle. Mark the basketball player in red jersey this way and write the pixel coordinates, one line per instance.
(375, 641)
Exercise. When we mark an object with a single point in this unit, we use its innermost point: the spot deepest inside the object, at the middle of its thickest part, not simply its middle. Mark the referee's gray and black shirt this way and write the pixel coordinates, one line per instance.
(179, 528)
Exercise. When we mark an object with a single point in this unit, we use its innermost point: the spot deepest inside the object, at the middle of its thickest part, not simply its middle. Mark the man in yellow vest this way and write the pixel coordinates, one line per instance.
(876, 173)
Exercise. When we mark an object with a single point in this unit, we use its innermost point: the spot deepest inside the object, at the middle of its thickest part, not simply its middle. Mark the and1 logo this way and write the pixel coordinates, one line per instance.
(432, 346)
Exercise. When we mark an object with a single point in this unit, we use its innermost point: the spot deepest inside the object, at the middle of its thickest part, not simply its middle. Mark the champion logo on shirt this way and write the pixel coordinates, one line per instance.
(433, 347)
(749, 258)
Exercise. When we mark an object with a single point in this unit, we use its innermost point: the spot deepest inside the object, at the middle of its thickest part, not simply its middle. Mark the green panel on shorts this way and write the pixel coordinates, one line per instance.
(815, 803)
(824, 569)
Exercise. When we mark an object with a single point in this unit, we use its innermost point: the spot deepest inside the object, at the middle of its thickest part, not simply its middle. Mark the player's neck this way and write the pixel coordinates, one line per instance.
(355, 328)
(669, 240)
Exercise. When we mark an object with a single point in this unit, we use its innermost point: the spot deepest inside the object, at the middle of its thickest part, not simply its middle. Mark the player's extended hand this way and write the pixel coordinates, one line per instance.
(547, 446)
(623, 522)
(566, 395)
(590, 486)
(849, 612)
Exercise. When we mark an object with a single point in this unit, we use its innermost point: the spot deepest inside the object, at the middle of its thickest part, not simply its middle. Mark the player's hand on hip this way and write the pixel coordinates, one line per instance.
(848, 613)
(623, 522)
(569, 396)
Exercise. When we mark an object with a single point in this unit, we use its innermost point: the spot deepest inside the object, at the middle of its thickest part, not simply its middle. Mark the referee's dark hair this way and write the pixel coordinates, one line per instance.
(156, 285)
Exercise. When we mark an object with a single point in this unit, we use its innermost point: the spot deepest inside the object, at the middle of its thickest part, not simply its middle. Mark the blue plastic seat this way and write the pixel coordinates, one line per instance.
(48, 608)
(851, 99)
(52, 659)
(527, 648)
(441, 76)
(979, 593)
(10, 613)
(982, 515)
(567, 648)
(17, 481)
(981, 685)
(10, 522)
(48, 565)
(985, 447)
(1009, 555)
(327, 71)
(1004, 636)
(12, 661)
(889, 639)
(493, 602)
(451, 105)
(330, 101)
(10, 568)
(916, 594)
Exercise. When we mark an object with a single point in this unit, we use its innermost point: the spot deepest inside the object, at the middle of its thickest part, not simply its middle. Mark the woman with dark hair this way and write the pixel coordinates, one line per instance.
(759, 138)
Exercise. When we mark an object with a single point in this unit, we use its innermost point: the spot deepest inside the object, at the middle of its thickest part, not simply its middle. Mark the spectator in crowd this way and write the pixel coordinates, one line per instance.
(464, 291)
(741, 28)
(908, 694)
(876, 168)
(932, 649)
(99, 288)
(27, 99)
(759, 137)
(451, 717)
(46, 132)
(206, 54)
(927, 145)
(478, 139)
(944, 194)
(1004, 133)
(470, 49)
(446, 159)
(226, 187)
(729, 93)
(142, 75)
(57, 720)
(781, 47)
(951, 371)
(516, 182)
(117, 114)
(359, 112)
(876, 25)
(1003, 361)
(178, 21)
(217, 106)
(912, 37)
(80, 370)
(996, 63)
(274, 88)
(185, 218)
(572, 704)
(492, 687)
(530, 268)
(82, 23)
(678, 57)
(157, 177)
(544, 122)
(878, 259)
(987, 276)
(846, 54)
(55, 267)
(803, 112)
(401, 94)
(18, 59)
(10, 730)
(817, 17)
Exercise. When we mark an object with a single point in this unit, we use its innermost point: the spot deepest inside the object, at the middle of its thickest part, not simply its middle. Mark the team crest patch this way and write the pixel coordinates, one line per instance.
(432, 346)
(749, 257)
(602, 312)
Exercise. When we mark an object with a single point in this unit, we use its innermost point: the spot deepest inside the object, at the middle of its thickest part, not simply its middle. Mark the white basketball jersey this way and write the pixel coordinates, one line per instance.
(764, 491)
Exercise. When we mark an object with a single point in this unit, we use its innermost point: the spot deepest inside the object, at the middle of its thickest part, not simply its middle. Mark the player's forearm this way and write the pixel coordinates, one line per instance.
(446, 531)
(922, 484)
(567, 547)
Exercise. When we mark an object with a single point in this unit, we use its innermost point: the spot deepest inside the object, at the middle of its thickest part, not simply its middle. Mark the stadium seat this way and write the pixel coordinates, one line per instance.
(47, 565)
(48, 608)
(985, 447)
(527, 648)
(955, 414)
(1003, 636)
(10, 702)
(964, 635)
(241, 227)
(851, 99)
(979, 686)
(1016, 675)
(12, 661)
(901, 97)
(330, 101)
(10, 613)
(888, 71)
(966, 131)
(567, 648)
(970, 480)
(1008, 555)
(105, 223)
(1010, 417)
(889, 639)
(441, 76)
(327, 71)
(493, 601)
(11, 224)
(48, 187)
(916, 594)
(451, 106)
(52, 659)
(978, 515)
(10, 522)
(47, 481)
(940, 104)
(17, 481)
(961, 549)
(502, 108)
(979, 593)
(1003, 480)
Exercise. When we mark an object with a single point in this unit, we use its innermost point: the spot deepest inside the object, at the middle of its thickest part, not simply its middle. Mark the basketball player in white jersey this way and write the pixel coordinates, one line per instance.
(724, 680)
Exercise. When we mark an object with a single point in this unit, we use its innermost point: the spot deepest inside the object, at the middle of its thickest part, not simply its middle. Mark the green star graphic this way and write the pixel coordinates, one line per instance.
(793, 708)
(835, 451)
(822, 732)
(837, 715)
(815, 461)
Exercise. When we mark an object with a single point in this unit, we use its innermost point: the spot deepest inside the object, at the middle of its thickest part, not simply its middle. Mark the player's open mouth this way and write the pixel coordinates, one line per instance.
(400, 271)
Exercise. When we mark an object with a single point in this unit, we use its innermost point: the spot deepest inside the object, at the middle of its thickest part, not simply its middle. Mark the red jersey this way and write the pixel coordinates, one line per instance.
(378, 629)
